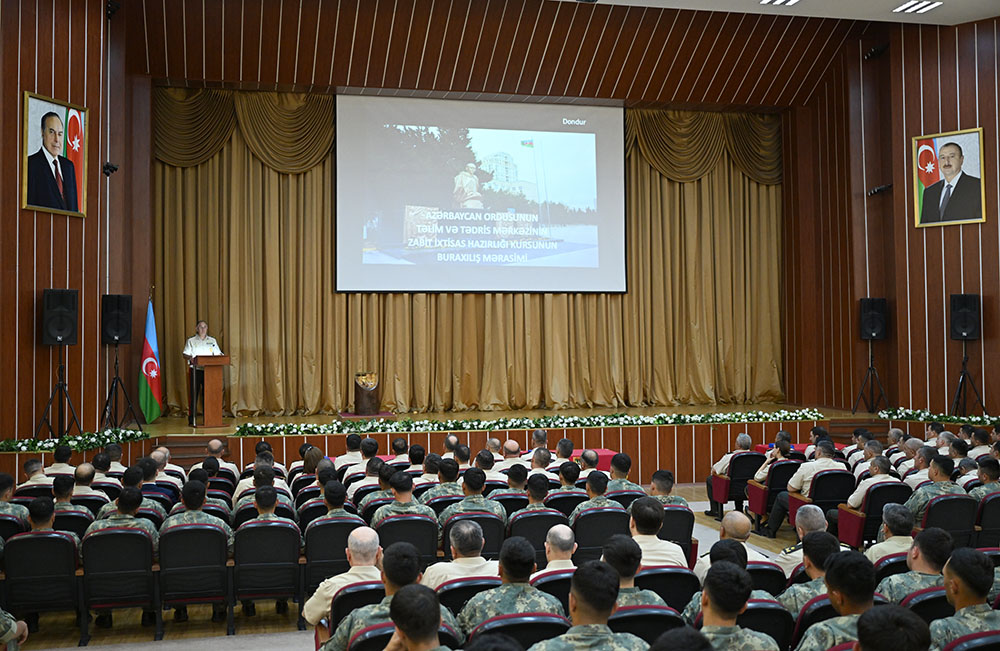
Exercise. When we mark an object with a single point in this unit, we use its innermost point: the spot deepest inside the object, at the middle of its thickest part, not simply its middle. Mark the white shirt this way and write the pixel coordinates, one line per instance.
(318, 605)
(554, 566)
(659, 552)
(705, 561)
(858, 496)
(459, 568)
(979, 451)
(348, 459)
(196, 346)
(917, 478)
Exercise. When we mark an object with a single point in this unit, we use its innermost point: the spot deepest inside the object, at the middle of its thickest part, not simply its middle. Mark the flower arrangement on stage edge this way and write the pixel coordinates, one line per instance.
(545, 422)
(81, 443)
(926, 416)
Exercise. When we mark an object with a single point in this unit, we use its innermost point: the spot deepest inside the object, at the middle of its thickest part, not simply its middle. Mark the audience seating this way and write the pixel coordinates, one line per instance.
(593, 527)
(929, 604)
(770, 618)
(511, 503)
(326, 542)
(992, 553)
(988, 521)
(222, 484)
(526, 628)
(646, 622)
(10, 526)
(493, 532)
(152, 516)
(41, 574)
(31, 492)
(985, 641)
(889, 565)
(624, 497)
(248, 512)
(732, 486)
(109, 489)
(301, 481)
(954, 513)
(118, 572)
(266, 563)
(492, 485)
(423, 488)
(420, 530)
(760, 497)
(159, 498)
(678, 527)
(75, 522)
(675, 585)
(377, 636)
(364, 492)
(217, 511)
(454, 593)
(767, 576)
(306, 494)
(564, 501)
(855, 527)
(535, 525)
(193, 568)
(311, 510)
(798, 576)
(374, 505)
(354, 596)
(557, 584)
(220, 495)
(829, 488)
(815, 610)
(441, 502)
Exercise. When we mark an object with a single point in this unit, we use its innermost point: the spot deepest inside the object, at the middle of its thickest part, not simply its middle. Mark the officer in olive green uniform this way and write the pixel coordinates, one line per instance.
(385, 471)
(967, 579)
(516, 595)
(726, 591)
(621, 464)
(989, 474)
(6, 506)
(132, 478)
(624, 556)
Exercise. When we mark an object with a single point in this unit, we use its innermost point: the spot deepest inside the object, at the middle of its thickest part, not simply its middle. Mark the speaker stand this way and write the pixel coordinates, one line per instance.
(110, 411)
(61, 392)
(964, 382)
(872, 381)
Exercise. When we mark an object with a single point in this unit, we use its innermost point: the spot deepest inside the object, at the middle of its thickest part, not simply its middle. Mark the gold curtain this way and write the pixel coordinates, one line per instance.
(249, 248)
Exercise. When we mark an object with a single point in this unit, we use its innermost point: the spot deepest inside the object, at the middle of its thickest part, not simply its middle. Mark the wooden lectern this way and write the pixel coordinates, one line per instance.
(212, 365)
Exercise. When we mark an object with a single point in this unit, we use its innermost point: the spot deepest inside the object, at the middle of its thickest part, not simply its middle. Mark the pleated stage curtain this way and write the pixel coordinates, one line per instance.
(244, 238)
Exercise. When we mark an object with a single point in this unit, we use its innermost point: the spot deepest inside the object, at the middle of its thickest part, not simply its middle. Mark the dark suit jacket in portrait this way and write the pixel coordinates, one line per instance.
(42, 188)
(965, 203)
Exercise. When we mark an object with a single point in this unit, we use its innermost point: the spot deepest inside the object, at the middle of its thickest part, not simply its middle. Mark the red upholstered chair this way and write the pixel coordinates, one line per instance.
(733, 485)
(985, 641)
(646, 622)
(889, 565)
(760, 497)
(828, 489)
(455, 593)
(954, 513)
(817, 609)
(929, 604)
(675, 585)
(526, 628)
(678, 527)
(767, 576)
(770, 618)
(988, 521)
(857, 526)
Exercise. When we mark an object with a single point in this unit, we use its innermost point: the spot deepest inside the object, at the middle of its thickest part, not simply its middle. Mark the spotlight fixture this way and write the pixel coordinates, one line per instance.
(916, 7)
(110, 8)
(109, 169)
(879, 189)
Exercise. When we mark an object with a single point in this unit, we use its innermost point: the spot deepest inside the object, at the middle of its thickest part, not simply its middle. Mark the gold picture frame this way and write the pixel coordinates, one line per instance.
(54, 130)
(942, 194)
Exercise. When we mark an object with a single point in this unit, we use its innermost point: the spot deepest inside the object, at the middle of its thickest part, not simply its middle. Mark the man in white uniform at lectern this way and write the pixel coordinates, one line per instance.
(198, 345)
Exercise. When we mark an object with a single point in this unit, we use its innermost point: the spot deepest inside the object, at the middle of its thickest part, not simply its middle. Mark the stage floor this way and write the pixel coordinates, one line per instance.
(177, 425)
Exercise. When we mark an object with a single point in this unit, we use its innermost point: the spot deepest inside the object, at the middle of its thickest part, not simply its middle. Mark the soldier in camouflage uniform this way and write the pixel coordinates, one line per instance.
(448, 481)
(400, 568)
(41, 516)
(263, 475)
(193, 499)
(661, 488)
(593, 593)
(538, 489)
(726, 591)
(569, 472)
(817, 546)
(408, 610)
(939, 473)
(624, 556)
(729, 550)
(516, 483)
(266, 501)
(6, 507)
(850, 585)
(199, 474)
(334, 495)
(968, 576)
(892, 627)
(13, 633)
(403, 502)
(62, 489)
(385, 471)
(516, 595)
(989, 474)
(132, 477)
(928, 554)
(124, 518)
(621, 464)
(474, 501)
(597, 486)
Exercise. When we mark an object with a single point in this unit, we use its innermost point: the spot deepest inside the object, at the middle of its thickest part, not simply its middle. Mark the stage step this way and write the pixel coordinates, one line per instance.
(842, 429)
(186, 451)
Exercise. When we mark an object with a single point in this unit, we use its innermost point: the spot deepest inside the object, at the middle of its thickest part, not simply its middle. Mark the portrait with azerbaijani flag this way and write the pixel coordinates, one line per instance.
(54, 156)
(947, 178)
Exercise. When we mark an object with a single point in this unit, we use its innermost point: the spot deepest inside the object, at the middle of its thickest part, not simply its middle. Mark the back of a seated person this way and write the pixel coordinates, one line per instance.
(334, 498)
(200, 475)
(560, 545)
(817, 546)
(661, 487)
(447, 482)
(729, 551)
(644, 525)
(132, 477)
(363, 554)
(41, 517)
(474, 501)
(624, 556)
(597, 486)
(569, 472)
(18, 511)
(466, 541)
(403, 502)
(62, 490)
(266, 501)
(850, 586)
(891, 628)
(621, 465)
(193, 499)
(724, 596)
(968, 576)
(124, 517)
(925, 559)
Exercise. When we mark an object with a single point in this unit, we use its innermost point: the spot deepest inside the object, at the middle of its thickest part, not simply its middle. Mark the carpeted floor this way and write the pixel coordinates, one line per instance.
(296, 640)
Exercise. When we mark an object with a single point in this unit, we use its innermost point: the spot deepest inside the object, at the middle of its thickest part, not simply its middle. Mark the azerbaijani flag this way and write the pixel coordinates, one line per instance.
(528, 143)
(150, 393)
(927, 169)
(74, 145)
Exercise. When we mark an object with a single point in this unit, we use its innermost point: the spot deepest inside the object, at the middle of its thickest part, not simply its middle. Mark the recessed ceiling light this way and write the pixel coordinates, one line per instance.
(917, 6)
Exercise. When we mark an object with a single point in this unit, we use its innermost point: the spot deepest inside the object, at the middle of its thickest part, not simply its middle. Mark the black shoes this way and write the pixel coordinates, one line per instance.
(180, 614)
(104, 620)
(249, 609)
(148, 618)
(281, 607)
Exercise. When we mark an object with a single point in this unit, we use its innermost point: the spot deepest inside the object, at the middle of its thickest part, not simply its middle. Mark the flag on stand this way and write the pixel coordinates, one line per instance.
(150, 393)
(927, 169)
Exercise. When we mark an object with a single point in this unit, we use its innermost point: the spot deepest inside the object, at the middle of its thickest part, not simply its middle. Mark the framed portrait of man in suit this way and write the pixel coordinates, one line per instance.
(54, 156)
(947, 178)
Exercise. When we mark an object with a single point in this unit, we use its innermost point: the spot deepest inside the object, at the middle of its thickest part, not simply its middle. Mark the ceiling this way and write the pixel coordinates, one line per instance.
(952, 12)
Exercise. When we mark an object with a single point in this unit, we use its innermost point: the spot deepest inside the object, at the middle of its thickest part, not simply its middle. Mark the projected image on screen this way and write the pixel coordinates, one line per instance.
(494, 199)
(463, 202)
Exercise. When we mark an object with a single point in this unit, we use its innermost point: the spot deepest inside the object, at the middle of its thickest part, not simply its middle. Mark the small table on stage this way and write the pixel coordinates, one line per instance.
(212, 366)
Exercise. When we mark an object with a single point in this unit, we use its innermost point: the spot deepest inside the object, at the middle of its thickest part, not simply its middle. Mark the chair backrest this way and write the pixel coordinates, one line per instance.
(526, 628)
(988, 520)
(118, 567)
(222, 495)
(984, 641)
(75, 522)
(767, 576)
(10, 526)
(223, 484)
(453, 594)
(441, 502)
(624, 497)
(364, 492)
(160, 498)
(423, 488)
(875, 499)
(354, 596)
(954, 513)
(511, 503)
(243, 514)
(266, 559)
(151, 515)
(769, 618)
(929, 604)
(217, 511)
(646, 622)
(41, 572)
(675, 585)
(817, 609)
(193, 563)
(326, 542)
(593, 527)
(419, 530)
(831, 487)
(742, 467)
(992, 553)
(557, 584)
(564, 501)
(31, 492)
(889, 565)
(678, 526)
(307, 493)
(301, 481)
(109, 489)
(493, 531)
(795, 455)
(314, 508)
(372, 638)
(534, 526)
(779, 473)
(374, 505)
(493, 485)
(798, 575)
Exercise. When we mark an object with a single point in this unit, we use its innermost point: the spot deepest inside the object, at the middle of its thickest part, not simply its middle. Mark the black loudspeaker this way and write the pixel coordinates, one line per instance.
(873, 318)
(59, 312)
(116, 319)
(965, 317)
